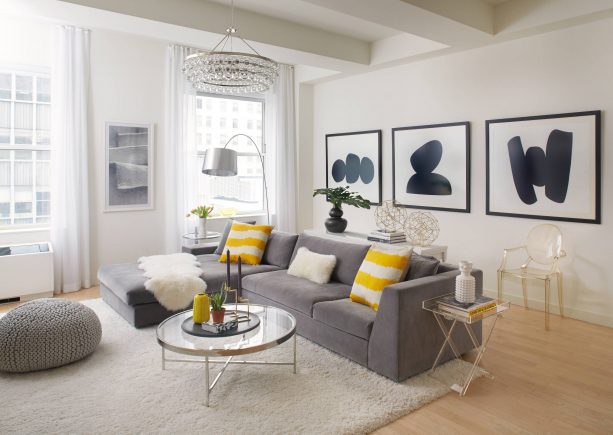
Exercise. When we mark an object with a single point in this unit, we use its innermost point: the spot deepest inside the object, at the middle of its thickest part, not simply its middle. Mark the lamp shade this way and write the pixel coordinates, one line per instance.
(220, 162)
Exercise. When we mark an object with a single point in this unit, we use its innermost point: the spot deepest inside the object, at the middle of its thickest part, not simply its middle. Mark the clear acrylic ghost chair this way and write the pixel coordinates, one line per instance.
(543, 248)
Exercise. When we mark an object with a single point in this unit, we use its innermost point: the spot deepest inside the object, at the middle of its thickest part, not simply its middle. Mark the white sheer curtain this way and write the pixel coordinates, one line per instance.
(69, 182)
(283, 134)
(179, 147)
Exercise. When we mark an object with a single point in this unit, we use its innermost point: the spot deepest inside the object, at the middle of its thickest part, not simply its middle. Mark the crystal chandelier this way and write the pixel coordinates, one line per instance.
(230, 72)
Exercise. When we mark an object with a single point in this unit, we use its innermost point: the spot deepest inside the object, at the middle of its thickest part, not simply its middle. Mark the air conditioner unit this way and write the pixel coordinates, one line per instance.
(26, 271)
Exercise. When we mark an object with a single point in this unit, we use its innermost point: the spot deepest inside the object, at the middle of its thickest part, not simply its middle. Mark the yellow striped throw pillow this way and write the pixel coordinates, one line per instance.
(383, 266)
(247, 241)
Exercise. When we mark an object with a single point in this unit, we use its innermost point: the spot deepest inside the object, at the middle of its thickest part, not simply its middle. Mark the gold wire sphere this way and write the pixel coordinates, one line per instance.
(422, 228)
(390, 218)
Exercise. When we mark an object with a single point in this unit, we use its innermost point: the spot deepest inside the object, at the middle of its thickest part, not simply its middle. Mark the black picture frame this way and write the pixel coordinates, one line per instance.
(465, 193)
(333, 151)
(526, 128)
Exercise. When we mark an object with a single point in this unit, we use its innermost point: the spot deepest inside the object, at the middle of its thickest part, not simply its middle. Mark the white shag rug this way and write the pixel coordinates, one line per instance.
(121, 389)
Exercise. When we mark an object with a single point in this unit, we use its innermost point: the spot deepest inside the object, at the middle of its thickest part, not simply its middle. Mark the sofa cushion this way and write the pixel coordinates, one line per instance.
(127, 282)
(312, 266)
(383, 266)
(422, 266)
(224, 236)
(347, 316)
(215, 273)
(246, 242)
(297, 293)
(349, 256)
(279, 249)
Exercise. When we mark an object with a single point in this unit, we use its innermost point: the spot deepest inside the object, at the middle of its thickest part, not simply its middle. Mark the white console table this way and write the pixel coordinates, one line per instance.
(437, 251)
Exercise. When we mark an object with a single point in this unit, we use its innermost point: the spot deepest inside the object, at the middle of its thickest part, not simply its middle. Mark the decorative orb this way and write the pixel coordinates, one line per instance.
(422, 228)
(389, 217)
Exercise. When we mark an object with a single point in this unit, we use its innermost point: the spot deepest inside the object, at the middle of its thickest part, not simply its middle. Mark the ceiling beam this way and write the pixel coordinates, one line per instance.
(200, 24)
(477, 14)
(520, 16)
(409, 18)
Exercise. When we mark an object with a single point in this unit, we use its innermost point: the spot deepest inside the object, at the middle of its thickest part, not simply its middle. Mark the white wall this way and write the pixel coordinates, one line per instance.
(127, 85)
(564, 71)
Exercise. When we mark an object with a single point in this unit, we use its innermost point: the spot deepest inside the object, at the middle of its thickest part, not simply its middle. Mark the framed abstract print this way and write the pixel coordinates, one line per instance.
(431, 166)
(354, 160)
(129, 167)
(544, 167)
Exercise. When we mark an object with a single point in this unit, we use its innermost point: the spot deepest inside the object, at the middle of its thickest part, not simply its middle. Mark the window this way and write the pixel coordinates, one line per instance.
(25, 124)
(244, 192)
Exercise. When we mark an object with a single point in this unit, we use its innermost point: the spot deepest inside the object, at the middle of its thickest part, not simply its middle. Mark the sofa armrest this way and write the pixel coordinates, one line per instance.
(405, 338)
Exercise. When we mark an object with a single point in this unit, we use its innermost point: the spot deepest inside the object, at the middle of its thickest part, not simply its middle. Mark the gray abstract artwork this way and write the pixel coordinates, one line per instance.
(128, 171)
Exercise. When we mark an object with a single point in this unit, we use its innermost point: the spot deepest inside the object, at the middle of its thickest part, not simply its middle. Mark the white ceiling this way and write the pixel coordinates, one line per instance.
(330, 37)
(298, 11)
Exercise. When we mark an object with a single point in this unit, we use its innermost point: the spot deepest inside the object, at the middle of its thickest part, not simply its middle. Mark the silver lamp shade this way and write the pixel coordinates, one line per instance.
(221, 162)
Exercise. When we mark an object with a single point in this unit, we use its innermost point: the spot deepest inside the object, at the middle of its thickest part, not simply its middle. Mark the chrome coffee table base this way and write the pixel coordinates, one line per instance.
(276, 327)
(226, 362)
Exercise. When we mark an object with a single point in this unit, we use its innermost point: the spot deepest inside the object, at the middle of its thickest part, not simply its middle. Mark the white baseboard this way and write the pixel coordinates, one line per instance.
(574, 313)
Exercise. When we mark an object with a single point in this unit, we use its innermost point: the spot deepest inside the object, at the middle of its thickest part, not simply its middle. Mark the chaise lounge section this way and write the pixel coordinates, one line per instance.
(397, 341)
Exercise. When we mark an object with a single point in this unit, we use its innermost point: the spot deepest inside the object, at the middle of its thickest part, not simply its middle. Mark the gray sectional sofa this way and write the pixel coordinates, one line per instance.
(397, 341)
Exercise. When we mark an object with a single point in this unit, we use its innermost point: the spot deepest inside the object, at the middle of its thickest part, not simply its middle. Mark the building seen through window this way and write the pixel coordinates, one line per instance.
(243, 192)
(25, 148)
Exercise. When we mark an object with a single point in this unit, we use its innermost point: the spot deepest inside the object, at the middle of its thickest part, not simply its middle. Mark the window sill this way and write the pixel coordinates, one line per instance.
(247, 215)
(24, 230)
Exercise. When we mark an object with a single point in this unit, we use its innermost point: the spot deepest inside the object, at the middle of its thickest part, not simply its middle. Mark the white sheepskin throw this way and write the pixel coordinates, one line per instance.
(312, 266)
(174, 279)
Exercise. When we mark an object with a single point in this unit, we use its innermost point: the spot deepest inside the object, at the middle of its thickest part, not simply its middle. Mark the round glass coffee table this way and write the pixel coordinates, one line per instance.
(276, 327)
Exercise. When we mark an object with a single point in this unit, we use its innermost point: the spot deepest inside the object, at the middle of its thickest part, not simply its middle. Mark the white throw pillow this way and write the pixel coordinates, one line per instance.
(312, 266)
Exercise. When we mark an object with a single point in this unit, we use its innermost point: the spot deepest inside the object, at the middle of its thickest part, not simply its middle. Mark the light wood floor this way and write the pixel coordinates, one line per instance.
(546, 382)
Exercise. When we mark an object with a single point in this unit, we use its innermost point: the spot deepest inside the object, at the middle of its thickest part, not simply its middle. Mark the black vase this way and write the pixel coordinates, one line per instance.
(335, 223)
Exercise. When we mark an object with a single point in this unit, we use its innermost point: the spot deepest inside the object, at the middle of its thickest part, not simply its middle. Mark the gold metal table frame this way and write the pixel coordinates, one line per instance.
(440, 315)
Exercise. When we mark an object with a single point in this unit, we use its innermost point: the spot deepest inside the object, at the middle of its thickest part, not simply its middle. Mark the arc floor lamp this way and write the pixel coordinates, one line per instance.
(223, 162)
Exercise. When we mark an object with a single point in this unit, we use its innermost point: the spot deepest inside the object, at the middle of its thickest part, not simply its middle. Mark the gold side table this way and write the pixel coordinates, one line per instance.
(441, 315)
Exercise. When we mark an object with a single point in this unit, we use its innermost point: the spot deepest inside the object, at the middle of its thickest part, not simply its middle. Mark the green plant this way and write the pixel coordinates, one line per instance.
(202, 211)
(341, 195)
(219, 298)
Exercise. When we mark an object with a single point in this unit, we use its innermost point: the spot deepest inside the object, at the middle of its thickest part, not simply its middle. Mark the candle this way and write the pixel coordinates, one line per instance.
(240, 280)
(228, 267)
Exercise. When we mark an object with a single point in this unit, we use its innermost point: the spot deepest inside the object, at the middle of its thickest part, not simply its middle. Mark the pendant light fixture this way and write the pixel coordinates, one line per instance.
(230, 72)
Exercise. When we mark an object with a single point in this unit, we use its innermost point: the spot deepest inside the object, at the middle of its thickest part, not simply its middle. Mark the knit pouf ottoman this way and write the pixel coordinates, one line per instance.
(47, 333)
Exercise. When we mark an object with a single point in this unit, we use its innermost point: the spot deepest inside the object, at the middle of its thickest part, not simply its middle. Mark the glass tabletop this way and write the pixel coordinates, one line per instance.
(433, 306)
(276, 326)
(208, 235)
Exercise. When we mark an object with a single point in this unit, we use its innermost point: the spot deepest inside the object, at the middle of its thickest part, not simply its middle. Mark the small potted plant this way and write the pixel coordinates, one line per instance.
(339, 196)
(203, 212)
(217, 300)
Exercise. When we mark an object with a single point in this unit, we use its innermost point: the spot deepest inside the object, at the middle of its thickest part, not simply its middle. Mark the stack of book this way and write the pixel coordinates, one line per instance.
(448, 304)
(385, 237)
